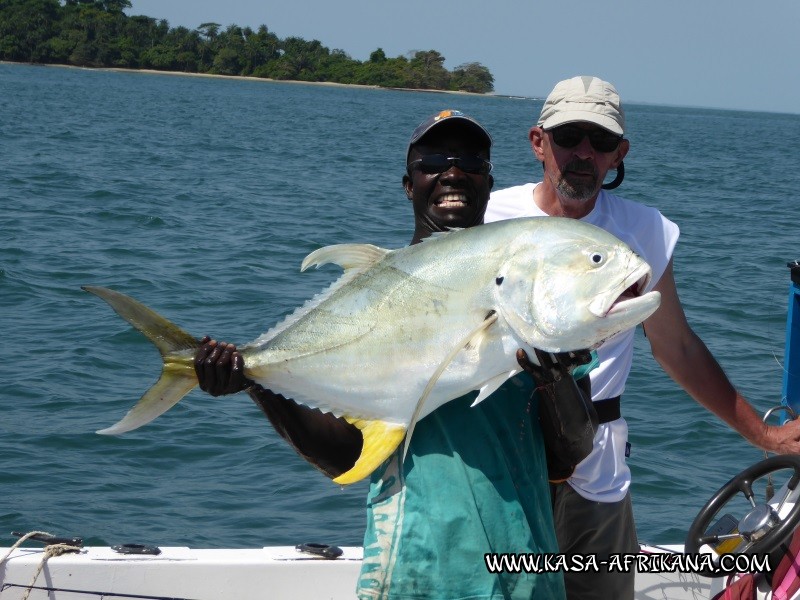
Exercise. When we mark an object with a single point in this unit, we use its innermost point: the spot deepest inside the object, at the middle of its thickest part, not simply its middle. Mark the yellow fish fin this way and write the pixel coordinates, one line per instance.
(380, 440)
(165, 335)
(177, 379)
(177, 351)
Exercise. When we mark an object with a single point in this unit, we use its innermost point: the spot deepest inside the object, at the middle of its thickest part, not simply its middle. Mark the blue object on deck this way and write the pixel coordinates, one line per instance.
(791, 355)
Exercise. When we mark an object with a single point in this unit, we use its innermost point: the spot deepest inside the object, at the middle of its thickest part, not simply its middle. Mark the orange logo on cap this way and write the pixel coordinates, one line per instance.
(448, 113)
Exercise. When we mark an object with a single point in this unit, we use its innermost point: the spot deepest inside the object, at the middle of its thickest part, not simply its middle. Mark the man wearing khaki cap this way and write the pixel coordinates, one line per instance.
(578, 139)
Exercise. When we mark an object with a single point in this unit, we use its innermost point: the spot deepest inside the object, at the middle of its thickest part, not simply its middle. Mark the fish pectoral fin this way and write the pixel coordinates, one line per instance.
(475, 334)
(490, 387)
(480, 334)
(177, 380)
(347, 256)
(381, 438)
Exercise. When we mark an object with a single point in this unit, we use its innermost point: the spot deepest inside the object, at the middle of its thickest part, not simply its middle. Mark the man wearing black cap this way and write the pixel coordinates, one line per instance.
(447, 139)
(578, 139)
(474, 480)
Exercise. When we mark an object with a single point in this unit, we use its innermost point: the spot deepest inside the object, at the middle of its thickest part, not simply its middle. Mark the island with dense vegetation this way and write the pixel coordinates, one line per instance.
(98, 33)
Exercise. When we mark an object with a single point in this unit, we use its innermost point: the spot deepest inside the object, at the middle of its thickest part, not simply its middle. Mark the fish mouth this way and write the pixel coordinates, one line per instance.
(632, 295)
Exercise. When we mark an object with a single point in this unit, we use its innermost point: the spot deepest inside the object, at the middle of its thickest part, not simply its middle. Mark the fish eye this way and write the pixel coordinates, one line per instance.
(597, 258)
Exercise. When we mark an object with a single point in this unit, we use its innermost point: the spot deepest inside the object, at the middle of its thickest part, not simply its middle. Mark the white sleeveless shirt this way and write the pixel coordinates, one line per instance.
(604, 476)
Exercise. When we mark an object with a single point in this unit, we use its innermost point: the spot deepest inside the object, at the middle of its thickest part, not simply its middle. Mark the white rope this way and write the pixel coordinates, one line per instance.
(49, 551)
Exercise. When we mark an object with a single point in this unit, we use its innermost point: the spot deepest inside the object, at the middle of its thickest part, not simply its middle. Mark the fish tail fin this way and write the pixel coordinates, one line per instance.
(381, 438)
(177, 350)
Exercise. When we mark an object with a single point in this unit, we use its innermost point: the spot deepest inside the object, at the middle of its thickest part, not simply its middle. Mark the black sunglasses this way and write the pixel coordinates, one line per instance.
(439, 163)
(569, 136)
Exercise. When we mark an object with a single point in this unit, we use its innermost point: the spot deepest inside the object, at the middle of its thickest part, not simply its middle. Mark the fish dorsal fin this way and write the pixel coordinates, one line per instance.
(348, 256)
(353, 258)
(466, 341)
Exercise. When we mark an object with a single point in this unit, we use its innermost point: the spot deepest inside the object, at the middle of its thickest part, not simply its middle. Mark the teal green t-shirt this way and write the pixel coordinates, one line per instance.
(474, 482)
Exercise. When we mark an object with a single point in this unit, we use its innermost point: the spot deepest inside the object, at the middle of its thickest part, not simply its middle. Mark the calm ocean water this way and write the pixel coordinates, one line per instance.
(200, 197)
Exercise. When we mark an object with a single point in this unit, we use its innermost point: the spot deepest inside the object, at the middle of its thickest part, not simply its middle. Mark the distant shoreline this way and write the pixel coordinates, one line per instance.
(265, 79)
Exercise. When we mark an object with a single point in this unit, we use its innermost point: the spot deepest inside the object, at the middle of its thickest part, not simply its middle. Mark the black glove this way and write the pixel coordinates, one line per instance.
(566, 414)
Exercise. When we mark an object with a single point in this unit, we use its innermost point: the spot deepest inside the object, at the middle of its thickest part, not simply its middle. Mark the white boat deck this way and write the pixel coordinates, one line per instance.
(275, 573)
(192, 574)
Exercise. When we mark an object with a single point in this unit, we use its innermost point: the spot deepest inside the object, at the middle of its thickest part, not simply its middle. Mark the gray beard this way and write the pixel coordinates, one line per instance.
(579, 193)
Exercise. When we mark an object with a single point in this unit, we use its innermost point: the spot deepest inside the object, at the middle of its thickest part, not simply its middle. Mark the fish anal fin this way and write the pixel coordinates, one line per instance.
(381, 438)
(347, 256)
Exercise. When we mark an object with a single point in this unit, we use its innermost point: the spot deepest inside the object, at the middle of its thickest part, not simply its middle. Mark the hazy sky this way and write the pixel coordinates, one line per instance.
(712, 53)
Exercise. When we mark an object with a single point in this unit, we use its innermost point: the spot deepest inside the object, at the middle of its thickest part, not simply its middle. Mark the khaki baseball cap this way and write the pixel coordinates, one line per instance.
(586, 99)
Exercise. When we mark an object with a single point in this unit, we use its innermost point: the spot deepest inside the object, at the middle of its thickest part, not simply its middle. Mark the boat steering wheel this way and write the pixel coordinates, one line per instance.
(762, 529)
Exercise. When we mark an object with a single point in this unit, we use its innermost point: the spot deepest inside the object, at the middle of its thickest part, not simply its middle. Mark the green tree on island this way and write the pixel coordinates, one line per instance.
(98, 33)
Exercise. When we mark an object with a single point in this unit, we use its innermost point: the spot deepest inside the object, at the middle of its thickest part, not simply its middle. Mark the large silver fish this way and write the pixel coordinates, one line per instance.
(404, 331)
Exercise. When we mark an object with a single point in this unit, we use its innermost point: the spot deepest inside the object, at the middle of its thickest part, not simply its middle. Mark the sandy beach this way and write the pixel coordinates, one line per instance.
(260, 79)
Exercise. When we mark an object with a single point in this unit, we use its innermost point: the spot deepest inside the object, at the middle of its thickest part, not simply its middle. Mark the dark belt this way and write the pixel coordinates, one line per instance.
(608, 410)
